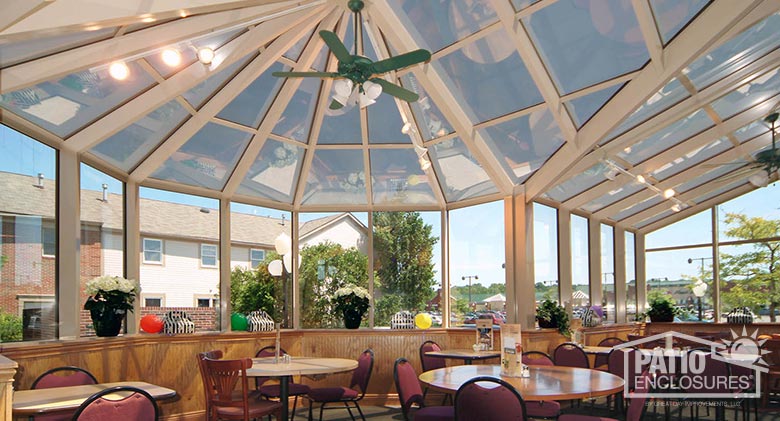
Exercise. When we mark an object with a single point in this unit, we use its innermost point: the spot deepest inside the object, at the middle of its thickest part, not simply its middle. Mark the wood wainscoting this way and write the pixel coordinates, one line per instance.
(170, 361)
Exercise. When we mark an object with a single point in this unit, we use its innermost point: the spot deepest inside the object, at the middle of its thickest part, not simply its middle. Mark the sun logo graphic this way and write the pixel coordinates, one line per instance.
(745, 350)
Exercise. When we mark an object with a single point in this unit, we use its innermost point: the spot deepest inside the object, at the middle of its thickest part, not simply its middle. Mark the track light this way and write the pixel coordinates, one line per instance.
(171, 57)
(407, 128)
(759, 179)
(641, 179)
(611, 174)
(206, 55)
(669, 193)
(676, 207)
(424, 163)
(119, 70)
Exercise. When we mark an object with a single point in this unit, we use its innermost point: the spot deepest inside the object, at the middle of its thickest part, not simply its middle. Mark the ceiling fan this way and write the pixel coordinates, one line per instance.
(357, 75)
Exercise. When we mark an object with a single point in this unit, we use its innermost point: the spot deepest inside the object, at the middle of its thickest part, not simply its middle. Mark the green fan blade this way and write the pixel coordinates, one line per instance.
(335, 105)
(396, 91)
(336, 47)
(305, 74)
(400, 61)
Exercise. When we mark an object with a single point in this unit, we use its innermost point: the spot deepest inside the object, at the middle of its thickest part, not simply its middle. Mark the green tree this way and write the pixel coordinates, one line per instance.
(403, 246)
(254, 289)
(10, 327)
(326, 267)
(751, 279)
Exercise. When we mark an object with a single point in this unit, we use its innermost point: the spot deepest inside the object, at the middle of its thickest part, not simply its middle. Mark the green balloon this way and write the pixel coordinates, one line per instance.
(238, 322)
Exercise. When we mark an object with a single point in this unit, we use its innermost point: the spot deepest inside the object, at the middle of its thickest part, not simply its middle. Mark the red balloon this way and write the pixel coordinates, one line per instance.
(151, 323)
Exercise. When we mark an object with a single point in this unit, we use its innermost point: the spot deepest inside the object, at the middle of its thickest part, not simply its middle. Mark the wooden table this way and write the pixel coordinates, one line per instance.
(69, 398)
(597, 350)
(266, 367)
(545, 384)
(467, 355)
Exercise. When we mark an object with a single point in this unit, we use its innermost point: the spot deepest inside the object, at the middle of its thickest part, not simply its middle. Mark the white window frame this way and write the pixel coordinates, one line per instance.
(215, 255)
(48, 225)
(252, 264)
(161, 251)
(210, 297)
(160, 297)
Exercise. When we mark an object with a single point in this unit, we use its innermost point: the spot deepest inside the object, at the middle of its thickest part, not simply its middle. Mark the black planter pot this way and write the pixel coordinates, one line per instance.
(547, 324)
(109, 325)
(352, 319)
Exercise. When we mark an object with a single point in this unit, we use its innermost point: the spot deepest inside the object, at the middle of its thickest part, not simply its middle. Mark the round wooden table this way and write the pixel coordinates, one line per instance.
(545, 383)
(467, 355)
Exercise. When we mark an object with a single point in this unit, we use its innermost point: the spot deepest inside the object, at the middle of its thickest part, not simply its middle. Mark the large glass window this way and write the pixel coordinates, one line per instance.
(261, 278)
(476, 262)
(28, 238)
(184, 222)
(630, 276)
(608, 272)
(580, 297)
(673, 273)
(102, 231)
(545, 253)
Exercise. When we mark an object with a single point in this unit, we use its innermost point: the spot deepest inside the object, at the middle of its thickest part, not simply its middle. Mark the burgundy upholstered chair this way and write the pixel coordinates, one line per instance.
(60, 377)
(129, 403)
(431, 363)
(274, 390)
(231, 398)
(410, 393)
(601, 360)
(540, 409)
(636, 407)
(346, 395)
(489, 399)
(570, 354)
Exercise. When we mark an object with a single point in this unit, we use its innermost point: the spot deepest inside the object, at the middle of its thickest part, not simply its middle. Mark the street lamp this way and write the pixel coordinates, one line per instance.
(463, 278)
(699, 288)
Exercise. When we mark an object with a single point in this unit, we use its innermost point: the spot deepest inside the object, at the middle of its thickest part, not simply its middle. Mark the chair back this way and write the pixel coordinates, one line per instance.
(714, 369)
(569, 354)
(488, 399)
(118, 403)
(208, 391)
(636, 407)
(773, 357)
(617, 365)
(224, 377)
(430, 363)
(268, 351)
(601, 359)
(537, 358)
(362, 373)
(63, 376)
(407, 385)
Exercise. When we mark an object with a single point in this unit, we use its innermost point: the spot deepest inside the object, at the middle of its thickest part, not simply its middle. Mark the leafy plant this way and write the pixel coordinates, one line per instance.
(351, 298)
(550, 312)
(110, 294)
(10, 327)
(661, 307)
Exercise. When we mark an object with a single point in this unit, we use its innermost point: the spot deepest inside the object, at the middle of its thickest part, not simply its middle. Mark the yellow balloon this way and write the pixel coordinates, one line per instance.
(423, 320)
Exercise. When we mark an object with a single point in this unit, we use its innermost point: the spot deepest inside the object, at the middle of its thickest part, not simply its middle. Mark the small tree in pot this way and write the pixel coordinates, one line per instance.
(551, 315)
(660, 307)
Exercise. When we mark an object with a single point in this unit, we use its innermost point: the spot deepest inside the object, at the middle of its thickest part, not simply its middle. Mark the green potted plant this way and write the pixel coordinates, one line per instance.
(660, 307)
(352, 302)
(552, 315)
(110, 297)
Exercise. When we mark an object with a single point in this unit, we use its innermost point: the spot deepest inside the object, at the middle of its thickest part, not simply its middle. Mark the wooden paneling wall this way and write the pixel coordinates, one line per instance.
(170, 361)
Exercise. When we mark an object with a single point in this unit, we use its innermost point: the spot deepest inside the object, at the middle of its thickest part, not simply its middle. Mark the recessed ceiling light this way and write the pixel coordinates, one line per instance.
(205, 55)
(119, 70)
(171, 57)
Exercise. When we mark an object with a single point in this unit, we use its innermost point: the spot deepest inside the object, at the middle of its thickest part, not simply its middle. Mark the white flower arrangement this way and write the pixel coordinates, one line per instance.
(108, 283)
(351, 298)
(352, 289)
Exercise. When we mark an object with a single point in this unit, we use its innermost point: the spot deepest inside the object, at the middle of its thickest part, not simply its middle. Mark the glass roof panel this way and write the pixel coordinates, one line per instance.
(748, 95)
(129, 146)
(672, 15)
(612, 196)
(523, 144)
(459, 172)
(20, 51)
(736, 53)
(750, 131)
(717, 192)
(692, 158)
(437, 24)
(579, 183)
(426, 113)
(396, 177)
(583, 108)
(667, 137)
(188, 51)
(711, 175)
(341, 126)
(584, 43)
(639, 207)
(294, 53)
(336, 177)
(250, 106)
(274, 173)
(296, 119)
(655, 218)
(384, 122)
(202, 162)
(324, 55)
(198, 95)
(522, 4)
(488, 78)
(74, 101)
(672, 93)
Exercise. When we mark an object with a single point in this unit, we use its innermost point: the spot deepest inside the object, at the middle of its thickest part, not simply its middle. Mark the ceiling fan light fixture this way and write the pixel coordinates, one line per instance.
(370, 93)
(343, 90)
(759, 179)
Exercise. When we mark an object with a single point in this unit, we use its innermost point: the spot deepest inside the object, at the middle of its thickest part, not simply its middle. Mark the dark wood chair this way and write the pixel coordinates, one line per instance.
(208, 392)
(231, 392)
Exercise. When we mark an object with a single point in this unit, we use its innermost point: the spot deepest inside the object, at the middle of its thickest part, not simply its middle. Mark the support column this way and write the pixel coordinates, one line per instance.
(620, 274)
(224, 265)
(640, 259)
(296, 289)
(371, 279)
(594, 256)
(715, 264)
(133, 249)
(445, 269)
(518, 228)
(565, 288)
(68, 245)
(7, 372)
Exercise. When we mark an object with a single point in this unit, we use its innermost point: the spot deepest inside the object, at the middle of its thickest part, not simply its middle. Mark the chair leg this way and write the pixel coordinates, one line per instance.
(357, 405)
(346, 404)
(322, 407)
(295, 404)
(311, 406)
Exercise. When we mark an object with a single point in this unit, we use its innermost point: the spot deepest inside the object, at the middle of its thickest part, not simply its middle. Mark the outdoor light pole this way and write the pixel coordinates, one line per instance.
(463, 278)
(700, 287)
